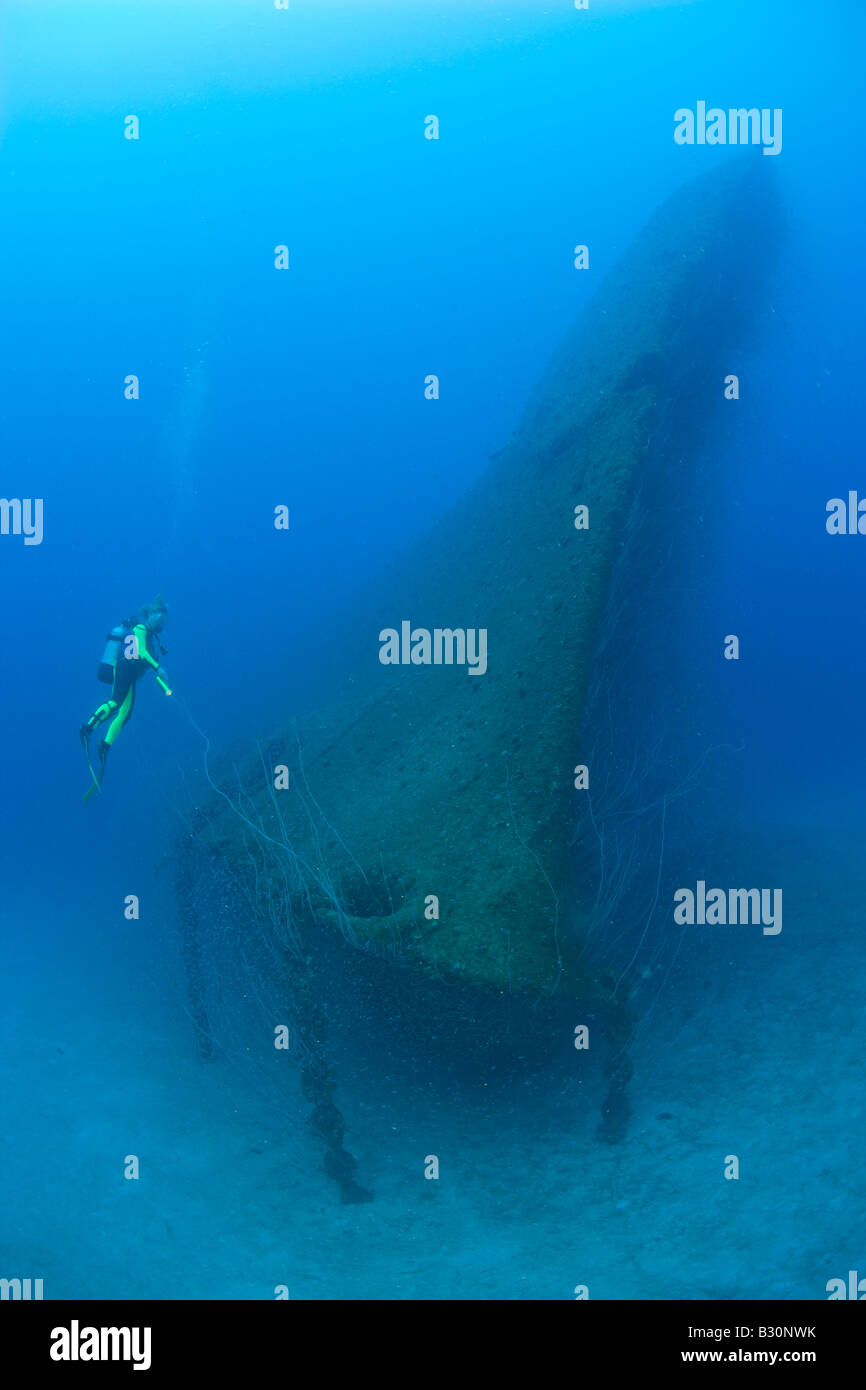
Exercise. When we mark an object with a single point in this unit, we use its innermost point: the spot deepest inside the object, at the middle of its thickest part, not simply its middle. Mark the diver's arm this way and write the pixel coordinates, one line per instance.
(140, 632)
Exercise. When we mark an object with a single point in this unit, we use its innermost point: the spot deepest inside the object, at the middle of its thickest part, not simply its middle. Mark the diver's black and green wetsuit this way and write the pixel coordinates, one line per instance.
(128, 671)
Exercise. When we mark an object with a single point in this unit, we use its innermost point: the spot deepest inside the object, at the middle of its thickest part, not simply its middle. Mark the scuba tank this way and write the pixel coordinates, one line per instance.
(113, 646)
(111, 655)
(114, 641)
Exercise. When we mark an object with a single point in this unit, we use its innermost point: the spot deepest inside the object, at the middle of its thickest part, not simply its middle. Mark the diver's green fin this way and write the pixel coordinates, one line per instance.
(96, 780)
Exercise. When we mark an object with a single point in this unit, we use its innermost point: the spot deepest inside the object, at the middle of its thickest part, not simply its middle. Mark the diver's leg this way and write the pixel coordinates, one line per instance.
(123, 683)
(99, 716)
(117, 724)
(121, 718)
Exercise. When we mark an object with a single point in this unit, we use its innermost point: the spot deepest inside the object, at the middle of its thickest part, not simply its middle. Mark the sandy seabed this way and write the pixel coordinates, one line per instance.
(753, 1048)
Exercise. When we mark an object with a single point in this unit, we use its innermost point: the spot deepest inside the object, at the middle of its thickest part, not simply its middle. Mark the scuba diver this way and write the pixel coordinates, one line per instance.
(133, 649)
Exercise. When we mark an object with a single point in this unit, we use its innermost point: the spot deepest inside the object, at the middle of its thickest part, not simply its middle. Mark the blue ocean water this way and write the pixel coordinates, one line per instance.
(154, 256)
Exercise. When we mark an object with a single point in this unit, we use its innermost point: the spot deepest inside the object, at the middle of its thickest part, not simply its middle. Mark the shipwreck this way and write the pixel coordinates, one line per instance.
(423, 824)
